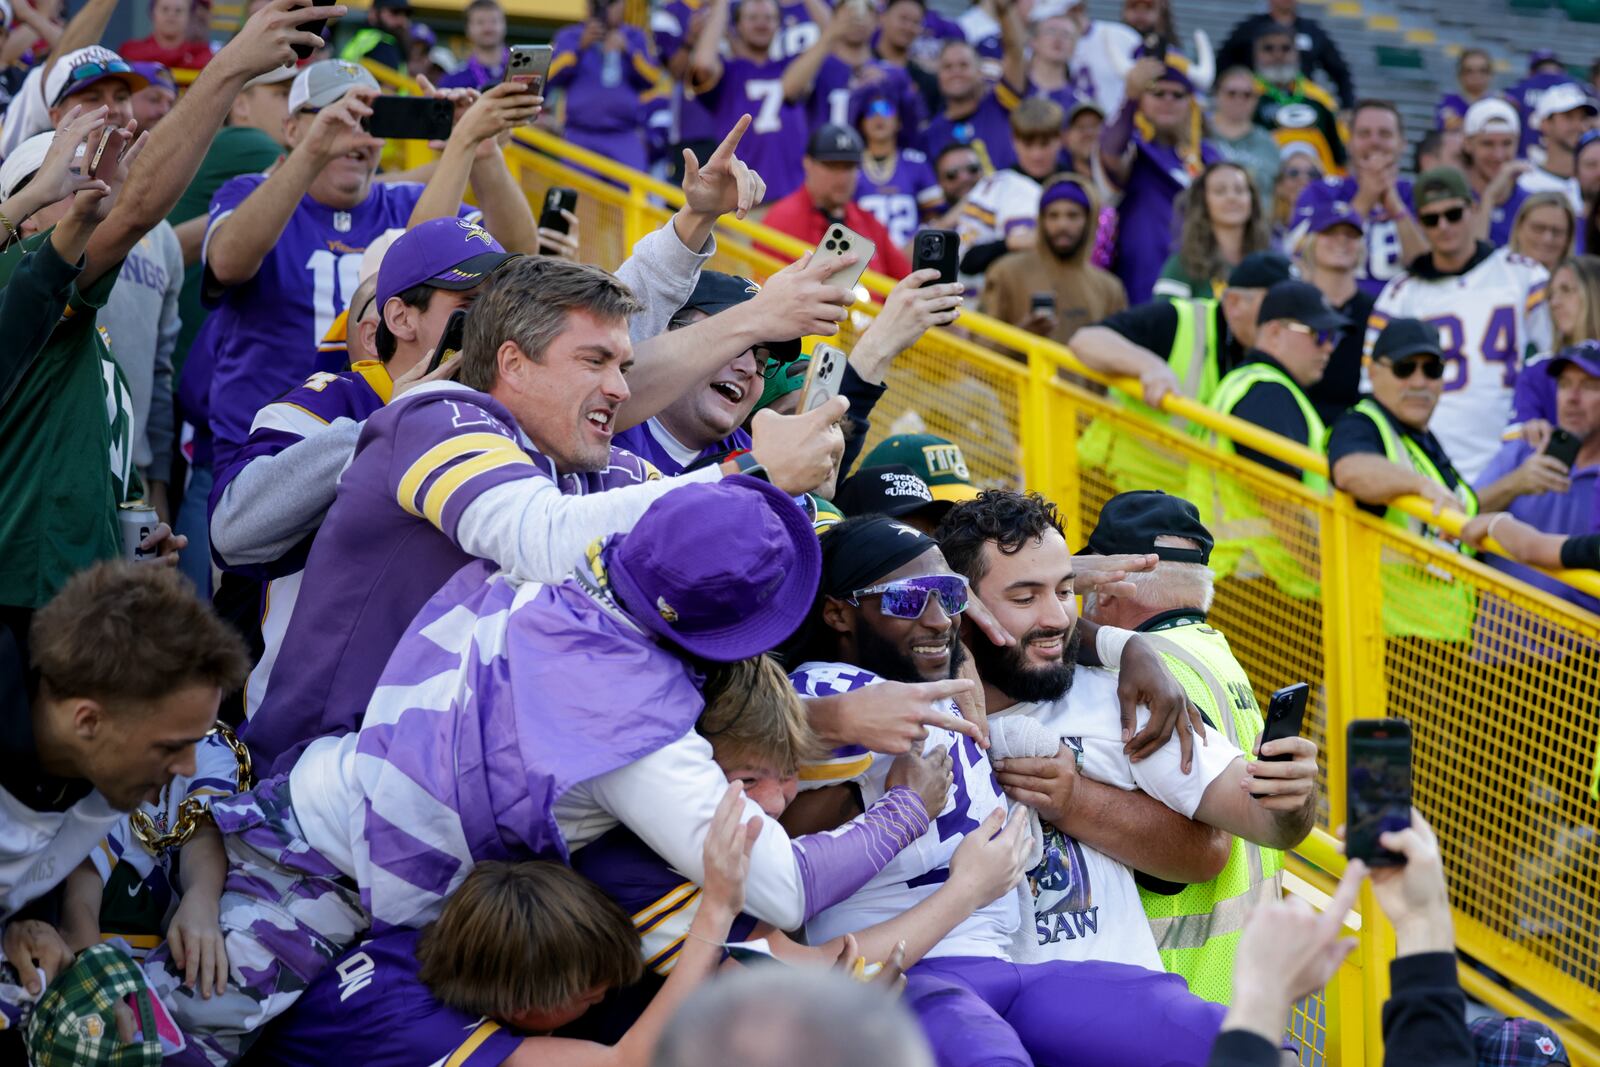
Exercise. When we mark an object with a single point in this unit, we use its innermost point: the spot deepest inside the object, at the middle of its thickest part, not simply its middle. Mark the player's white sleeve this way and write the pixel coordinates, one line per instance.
(1539, 326)
(662, 272)
(668, 798)
(530, 528)
(1161, 774)
(276, 500)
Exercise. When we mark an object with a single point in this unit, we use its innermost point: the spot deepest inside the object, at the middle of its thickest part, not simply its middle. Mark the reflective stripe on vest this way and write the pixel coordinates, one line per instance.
(1226, 917)
(1402, 451)
(1238, 383)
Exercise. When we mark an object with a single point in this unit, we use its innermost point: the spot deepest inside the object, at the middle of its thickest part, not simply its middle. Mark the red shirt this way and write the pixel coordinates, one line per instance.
(190, 55)
(797, 216)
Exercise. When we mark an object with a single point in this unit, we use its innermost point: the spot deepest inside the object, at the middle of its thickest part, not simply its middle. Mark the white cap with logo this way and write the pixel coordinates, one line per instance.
(1560, 99)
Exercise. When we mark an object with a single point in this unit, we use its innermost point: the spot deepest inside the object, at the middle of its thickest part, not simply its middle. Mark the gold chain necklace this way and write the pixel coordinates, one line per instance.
(193, 809)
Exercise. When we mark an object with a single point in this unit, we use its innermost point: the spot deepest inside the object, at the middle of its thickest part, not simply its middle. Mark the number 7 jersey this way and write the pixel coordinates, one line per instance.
(1490, 318)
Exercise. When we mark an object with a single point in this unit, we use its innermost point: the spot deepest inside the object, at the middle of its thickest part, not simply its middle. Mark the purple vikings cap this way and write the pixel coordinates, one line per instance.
(1517, 1043)
(448, 253)
(1325, 215)
(725, 571)
(156, 74)
(1585, 355)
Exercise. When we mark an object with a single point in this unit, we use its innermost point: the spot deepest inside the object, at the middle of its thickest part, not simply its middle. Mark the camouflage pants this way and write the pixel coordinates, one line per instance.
(286, 914)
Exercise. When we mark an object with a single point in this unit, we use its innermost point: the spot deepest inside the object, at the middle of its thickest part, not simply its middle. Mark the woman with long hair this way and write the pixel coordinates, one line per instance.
(1544, 229)
(1574, 317)
(1222, 223)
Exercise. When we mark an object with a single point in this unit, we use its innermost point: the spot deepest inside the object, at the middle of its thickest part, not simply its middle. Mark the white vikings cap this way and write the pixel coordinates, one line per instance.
(24, 162)
(1560, 99)
(1490, 114)
(326, 81)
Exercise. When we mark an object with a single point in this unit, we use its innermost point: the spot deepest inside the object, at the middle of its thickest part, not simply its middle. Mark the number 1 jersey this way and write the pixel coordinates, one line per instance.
(1490, 317)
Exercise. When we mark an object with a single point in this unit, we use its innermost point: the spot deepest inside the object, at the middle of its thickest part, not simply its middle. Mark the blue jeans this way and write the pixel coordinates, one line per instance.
(194, 523)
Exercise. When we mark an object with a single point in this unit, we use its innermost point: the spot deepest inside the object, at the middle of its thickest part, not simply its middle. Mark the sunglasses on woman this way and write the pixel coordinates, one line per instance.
(907, 598)
(1431, 367)
(1451, 215)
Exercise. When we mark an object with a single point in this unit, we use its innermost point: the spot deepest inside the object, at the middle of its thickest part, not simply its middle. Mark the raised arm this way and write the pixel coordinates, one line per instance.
(1013, 47)
(800, 76)
(1284, 815)
(705, 62)
(85, 28)
(177, 147)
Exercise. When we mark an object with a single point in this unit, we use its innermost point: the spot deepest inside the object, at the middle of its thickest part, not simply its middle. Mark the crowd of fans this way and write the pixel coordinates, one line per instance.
(516, 699)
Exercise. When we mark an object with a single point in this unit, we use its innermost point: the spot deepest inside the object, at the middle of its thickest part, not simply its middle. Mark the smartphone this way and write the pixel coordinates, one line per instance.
(1378, 792)
(557, 200)
(839, 240)
(455, 327)
(530, 63)
(410, 118)
(1286, 713)
(93, 170)
(824, 376)
(1042, 302)
(939, 249)
(1563, 447)
(302, 52)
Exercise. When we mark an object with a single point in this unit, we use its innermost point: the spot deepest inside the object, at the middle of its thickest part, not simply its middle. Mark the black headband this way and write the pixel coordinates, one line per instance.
(859, 552)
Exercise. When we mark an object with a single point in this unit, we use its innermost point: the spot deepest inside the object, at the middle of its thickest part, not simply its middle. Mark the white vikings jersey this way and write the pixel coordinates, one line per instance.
(999, 203)
(1490, 319)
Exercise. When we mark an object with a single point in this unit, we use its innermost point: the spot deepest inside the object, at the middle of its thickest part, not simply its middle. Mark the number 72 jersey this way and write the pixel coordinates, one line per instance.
(1490, 318)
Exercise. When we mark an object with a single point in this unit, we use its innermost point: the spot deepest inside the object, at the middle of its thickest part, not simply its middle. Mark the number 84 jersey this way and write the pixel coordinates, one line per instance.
(1491, 316)
(924, 865)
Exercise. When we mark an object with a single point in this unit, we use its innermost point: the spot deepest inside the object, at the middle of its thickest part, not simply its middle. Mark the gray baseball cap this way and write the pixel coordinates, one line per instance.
(326, 81)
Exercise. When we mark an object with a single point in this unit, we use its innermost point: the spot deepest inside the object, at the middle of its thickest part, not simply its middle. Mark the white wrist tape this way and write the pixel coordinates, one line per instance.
(1109, 643)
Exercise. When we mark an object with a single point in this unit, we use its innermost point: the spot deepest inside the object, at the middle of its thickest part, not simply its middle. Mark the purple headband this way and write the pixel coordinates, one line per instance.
(1065, 191)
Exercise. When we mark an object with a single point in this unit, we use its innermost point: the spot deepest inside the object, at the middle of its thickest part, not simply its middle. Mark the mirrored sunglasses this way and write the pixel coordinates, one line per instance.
(907, 598)
(882, 109)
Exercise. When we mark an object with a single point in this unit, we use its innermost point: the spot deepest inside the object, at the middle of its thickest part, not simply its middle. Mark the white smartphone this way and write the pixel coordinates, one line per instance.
(839, 240)
(530, 63)
(824, 377)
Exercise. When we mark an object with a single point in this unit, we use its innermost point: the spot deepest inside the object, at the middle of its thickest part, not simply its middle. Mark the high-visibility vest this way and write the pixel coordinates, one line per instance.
(1197, 930)
(1132, 463)
(1419, 601)
(1233, 513)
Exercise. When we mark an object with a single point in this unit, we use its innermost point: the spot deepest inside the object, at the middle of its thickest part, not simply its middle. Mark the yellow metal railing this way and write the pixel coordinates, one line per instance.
(1503, 695)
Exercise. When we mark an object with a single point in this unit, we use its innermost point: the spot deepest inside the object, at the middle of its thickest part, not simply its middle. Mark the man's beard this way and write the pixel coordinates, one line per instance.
(1008, 670)
(887, 660)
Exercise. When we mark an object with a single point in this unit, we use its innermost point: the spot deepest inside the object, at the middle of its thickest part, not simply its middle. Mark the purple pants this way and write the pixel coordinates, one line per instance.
(979, 1012)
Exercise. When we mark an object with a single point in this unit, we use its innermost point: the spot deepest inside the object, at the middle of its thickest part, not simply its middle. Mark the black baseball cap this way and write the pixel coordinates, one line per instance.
(1406, 337)
(835, 144)
(716, 291)
(893, 489)
(1130, 523)
(1300, 302)
(1261, 270)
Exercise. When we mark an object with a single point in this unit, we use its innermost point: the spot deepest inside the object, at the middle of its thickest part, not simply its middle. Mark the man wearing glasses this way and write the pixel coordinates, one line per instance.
(1490, 308)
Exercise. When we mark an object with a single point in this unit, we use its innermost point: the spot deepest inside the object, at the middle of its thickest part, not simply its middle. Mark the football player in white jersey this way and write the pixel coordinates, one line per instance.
(1002, 211)
(1490, 307)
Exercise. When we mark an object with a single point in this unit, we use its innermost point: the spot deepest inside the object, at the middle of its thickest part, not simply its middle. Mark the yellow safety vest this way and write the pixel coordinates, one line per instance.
(1419, 601)
(1131, 462)
(1197, 930)
(1233, 512)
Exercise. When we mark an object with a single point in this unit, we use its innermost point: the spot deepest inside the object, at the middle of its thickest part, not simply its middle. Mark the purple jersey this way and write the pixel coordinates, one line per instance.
(1502, 216)
(389, 542)
(1525, 96)
(269, 327)
(1147, 233)
(663, 902)
(371, 1008)
(836, 82)
(797, 31)
(936, 30)
(1383, 260)
(775, 143)
(988, 129)
(474, 75)
(651, 442)
(669, 24)
(604, 111)
(1450, 112)
(902, 200)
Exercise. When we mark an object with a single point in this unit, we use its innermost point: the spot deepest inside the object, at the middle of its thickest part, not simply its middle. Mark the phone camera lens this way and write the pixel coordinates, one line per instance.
(936, 245)
(844, 246)
(831, 245)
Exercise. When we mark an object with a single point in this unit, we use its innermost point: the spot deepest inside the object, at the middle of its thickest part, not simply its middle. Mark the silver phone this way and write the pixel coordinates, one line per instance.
(839, 240)
(824, 377)
(530, 64)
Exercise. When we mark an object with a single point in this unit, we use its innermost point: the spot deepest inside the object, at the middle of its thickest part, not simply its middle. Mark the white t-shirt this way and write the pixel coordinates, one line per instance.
(924, 865)
(1490, 319)
(1086, 905)
(38, 849)
(1540, 180)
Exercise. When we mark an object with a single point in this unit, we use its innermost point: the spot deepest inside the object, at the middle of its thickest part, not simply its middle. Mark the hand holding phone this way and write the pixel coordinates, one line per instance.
(824, 377)
(530, 64)
(556, 200)
(939, 249)
(1563, 447)
(1378, 788)
(838, 241)
(1286, 714)
(411, 118)
(455, 328)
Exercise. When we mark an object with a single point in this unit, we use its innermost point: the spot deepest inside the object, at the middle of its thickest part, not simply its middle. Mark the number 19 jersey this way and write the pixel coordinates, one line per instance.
(1490, 317)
